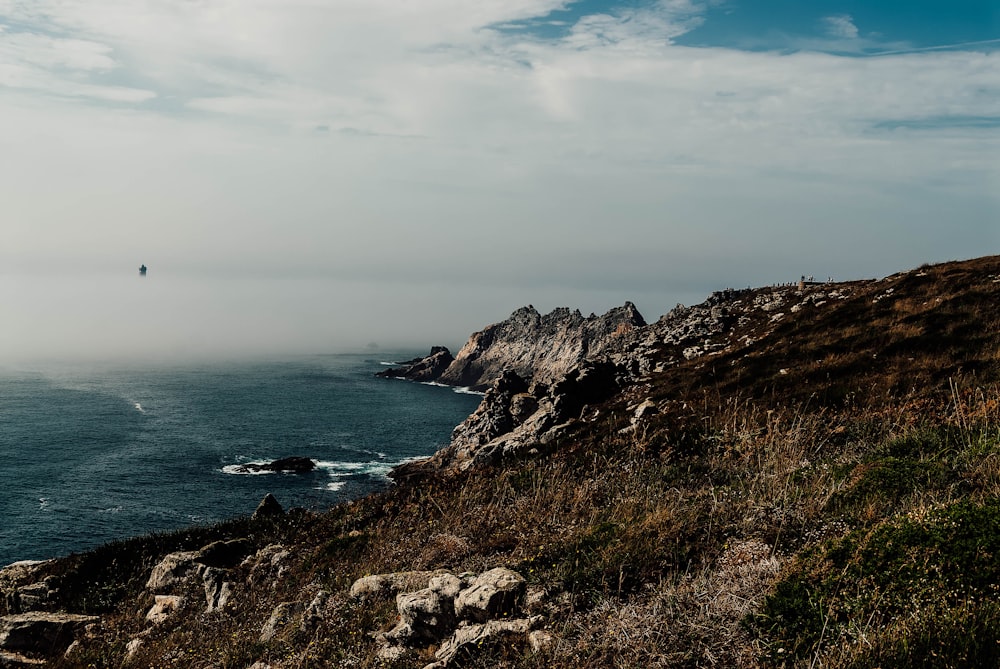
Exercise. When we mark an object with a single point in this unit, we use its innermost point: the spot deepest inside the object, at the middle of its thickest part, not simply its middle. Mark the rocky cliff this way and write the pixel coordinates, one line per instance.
(683, 498)
(428, 368)
(547, 371)
(533, 346)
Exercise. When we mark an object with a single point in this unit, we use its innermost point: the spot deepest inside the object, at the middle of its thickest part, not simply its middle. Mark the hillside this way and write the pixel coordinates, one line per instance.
(790, 476)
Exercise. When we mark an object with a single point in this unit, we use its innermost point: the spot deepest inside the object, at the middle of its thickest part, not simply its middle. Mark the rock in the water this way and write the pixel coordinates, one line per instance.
(428, 368)
(268, 508)
(295, 464)
(495, 593)
(43, 633)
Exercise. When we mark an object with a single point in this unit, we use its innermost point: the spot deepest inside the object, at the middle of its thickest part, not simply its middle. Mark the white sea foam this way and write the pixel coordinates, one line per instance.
(113, 509)
(347, 468)
(463, 390)
(241, 469)
(138, 407)
(334, 486)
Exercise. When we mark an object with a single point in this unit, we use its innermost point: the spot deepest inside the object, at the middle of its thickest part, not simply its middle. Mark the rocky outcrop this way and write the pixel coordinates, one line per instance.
(173, 569)
(42, 633)
(428, 368)
(515, 417)
(269, 507)
(295, 464)
(537, 347)
(494, 594)
(164, 607)
(546, 370)
(281, 617)
(457, 614)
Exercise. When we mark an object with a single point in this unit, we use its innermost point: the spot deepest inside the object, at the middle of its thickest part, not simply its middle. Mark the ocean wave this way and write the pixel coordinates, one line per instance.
(462, 390)
(333, 486)
(362, 451)
(370, 468)
(241, 469)
(113, 509)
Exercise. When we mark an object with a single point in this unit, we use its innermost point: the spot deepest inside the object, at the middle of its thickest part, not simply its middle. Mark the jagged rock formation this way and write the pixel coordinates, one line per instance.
(532, 346)
(428, 368)
(540, 348)
(544, 371)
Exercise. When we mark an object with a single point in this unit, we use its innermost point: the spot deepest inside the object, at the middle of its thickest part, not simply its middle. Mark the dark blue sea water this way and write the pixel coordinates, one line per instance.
(94, 453)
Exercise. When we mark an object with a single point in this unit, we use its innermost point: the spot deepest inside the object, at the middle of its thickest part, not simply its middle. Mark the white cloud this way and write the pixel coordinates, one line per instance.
(841, 26)
(587, 169)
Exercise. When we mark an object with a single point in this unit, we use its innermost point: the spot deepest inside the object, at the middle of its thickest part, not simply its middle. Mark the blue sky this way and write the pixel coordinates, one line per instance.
(820, 24)
(316, 174)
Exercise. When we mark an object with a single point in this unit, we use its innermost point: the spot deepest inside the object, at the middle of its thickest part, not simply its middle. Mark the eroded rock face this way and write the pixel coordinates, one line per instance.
(389, 585)
(426, 616)
(537, 347)
(164, 606)
(218, 589)
(469, 639)
(494, 594)
(514, 417)
(43, 633)
(172, 569)
(457, 613)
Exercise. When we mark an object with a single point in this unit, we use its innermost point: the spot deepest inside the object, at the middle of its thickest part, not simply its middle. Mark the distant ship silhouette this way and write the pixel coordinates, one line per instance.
(142, 270)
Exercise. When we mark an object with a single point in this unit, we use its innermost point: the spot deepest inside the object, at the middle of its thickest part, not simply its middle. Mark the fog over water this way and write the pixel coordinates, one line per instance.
(177, 318)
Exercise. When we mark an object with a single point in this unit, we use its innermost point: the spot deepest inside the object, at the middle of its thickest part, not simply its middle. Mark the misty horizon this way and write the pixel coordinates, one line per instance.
(315, 176)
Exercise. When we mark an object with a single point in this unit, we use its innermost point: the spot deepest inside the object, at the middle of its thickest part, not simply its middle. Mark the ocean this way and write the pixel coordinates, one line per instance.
(92, 453)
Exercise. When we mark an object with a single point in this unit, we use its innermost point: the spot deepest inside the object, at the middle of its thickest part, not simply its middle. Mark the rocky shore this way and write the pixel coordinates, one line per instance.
(674, 493)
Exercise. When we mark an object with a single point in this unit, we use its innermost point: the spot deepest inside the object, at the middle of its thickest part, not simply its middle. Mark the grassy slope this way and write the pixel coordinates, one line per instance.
(825, 497)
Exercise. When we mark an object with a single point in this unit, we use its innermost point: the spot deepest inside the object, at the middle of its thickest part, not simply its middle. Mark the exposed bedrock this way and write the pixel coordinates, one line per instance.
(428, 368)
(515, 416)
(539, 348)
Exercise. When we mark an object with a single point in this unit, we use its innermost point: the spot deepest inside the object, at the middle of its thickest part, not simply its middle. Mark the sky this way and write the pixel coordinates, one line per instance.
(311, 176)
